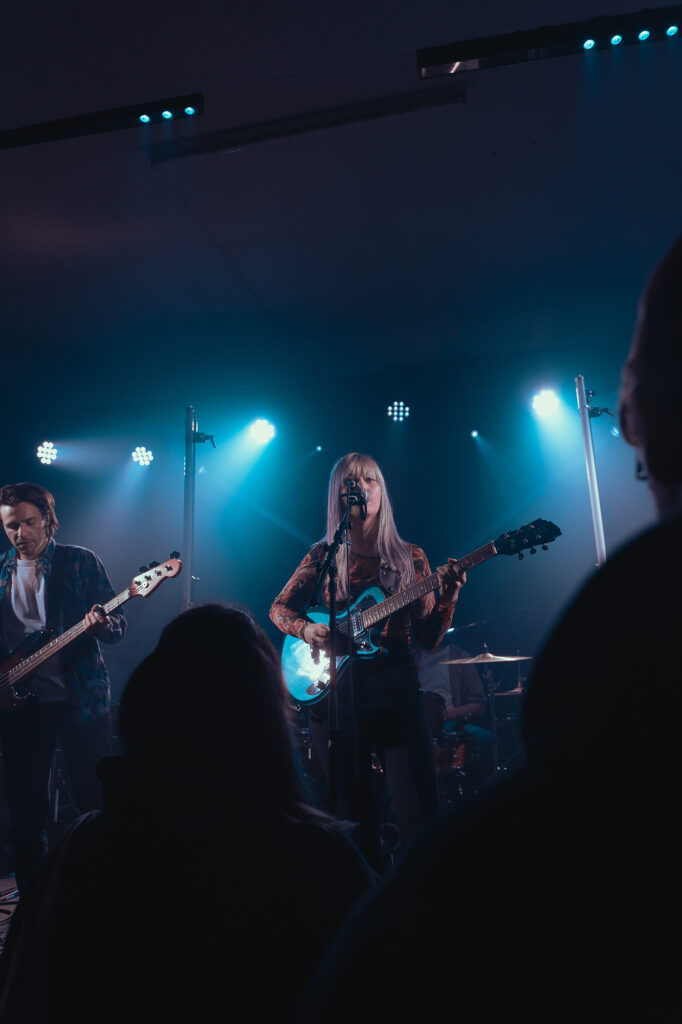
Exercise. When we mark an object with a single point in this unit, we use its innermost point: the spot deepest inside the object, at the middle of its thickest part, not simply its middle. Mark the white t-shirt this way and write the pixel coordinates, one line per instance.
(24, 614)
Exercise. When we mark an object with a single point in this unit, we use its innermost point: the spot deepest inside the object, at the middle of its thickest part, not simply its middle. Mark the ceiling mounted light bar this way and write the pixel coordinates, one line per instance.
(105, 121)
(550, 41)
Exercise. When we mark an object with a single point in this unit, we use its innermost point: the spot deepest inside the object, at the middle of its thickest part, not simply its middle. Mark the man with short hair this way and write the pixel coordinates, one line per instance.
(49, 586)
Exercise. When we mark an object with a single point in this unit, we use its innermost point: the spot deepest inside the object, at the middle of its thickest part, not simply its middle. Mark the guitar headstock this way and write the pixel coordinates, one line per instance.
(149, 578)
(538, 533)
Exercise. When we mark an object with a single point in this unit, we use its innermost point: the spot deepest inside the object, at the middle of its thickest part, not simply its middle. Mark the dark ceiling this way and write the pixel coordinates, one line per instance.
(506, 234)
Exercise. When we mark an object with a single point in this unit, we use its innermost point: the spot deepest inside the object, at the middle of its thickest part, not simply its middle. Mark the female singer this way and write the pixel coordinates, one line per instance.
(382, 713)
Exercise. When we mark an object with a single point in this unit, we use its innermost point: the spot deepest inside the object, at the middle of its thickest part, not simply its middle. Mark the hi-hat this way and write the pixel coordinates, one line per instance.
(486, 658)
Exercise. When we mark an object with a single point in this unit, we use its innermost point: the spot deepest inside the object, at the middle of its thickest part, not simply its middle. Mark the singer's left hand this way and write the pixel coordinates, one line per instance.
(451, 578)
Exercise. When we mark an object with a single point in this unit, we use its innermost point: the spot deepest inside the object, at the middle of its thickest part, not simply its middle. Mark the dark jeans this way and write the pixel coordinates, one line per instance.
(387, 718)
(29, 736)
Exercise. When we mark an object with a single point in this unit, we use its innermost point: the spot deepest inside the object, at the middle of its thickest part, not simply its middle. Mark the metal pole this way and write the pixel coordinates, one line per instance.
(190, 478)
(584, 410)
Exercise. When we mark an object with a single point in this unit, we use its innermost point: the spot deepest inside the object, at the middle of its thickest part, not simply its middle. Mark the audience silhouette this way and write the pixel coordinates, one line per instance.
(207, 885)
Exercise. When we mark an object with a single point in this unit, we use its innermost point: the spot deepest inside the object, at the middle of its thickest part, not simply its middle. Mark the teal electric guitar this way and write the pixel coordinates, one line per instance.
(308, 682)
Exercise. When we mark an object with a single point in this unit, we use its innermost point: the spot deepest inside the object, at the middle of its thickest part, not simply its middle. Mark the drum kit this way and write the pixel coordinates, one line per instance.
(465, 755)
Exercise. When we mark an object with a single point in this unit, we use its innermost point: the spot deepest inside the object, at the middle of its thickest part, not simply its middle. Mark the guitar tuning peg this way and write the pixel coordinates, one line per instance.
(545, 547)
(520, 556)
(174, 554)
(143, 568)
(533, 551)
(153, 565)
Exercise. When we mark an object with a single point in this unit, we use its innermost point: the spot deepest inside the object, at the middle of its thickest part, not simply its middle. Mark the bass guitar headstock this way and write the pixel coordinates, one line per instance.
(150, 576)
(539, 533)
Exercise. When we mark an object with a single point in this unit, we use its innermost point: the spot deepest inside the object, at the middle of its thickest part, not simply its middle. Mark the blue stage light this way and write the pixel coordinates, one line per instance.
(644, 34)
(546, 403)
(474, 433)
(262, 431)
(671, 30)
(47, 453)
(588, 44)
(615, 40)
(145, 118)
(166, 115)
(142, 456)
(319, 448)
(398, 412)
(615, 431)
(189, 111)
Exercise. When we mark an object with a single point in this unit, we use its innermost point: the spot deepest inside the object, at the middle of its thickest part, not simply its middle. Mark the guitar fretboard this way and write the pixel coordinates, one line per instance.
(393, 604)
(28, 664)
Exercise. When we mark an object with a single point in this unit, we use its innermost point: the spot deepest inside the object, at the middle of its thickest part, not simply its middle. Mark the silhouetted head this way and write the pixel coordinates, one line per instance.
(651, 394)
(210, 700)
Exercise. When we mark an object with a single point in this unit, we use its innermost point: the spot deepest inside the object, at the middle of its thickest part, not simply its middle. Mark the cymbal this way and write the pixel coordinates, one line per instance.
(486, 658)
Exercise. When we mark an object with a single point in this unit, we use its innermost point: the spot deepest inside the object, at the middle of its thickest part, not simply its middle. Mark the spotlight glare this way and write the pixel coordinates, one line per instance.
(671, 30)
(588, 44)
(142, 456)
(319, 448)
(262, 431)
(474, 433)
(398, 412)
(189, 111)
(644, 34)
(166, 114)
(545, 403)
(615, 40)
(145, 118)
(615, 431)
(47, 453)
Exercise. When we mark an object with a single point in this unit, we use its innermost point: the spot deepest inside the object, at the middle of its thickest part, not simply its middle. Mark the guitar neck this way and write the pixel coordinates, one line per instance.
(29, 664)
(379, 612)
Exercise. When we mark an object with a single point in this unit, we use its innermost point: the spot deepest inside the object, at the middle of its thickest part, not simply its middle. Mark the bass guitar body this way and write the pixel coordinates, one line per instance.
(308, 682)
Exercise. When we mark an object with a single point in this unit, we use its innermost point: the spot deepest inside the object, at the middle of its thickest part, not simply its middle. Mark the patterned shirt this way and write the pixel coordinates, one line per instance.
(85, 582)
(426, 620)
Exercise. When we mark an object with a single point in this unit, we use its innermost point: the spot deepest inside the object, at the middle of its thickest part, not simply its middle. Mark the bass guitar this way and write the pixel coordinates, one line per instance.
(20, 665)
(308, 682)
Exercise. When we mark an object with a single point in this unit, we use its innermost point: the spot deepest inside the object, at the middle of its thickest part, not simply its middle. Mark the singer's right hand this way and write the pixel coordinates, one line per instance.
(316, 635)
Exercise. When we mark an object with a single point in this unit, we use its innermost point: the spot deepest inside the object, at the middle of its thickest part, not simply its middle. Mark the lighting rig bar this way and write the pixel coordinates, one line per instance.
(601, 33)
(137, 115)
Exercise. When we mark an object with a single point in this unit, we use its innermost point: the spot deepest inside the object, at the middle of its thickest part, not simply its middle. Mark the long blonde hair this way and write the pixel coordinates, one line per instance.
(392, 550)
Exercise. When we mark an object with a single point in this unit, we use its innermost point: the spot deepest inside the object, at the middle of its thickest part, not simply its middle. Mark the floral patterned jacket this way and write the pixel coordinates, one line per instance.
(426, 620)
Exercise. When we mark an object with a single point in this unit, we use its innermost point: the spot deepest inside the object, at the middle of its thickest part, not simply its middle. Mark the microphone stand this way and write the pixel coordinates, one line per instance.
(329, 571)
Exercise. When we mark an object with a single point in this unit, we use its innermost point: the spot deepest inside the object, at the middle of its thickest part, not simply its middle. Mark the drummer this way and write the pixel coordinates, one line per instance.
(460, 686)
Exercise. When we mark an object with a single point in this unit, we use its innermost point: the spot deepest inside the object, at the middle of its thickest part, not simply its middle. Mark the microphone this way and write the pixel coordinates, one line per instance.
(356, 496)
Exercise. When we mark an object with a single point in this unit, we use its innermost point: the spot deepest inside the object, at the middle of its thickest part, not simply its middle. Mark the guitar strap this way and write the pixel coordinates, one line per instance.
(389, 579)
(55, 585)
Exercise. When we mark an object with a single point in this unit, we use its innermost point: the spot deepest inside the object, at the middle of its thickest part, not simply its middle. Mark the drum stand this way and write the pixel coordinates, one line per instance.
(491, 686)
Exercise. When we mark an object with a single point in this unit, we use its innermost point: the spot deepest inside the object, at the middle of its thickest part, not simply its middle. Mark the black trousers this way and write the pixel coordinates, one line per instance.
(29, 736)
(383, 718)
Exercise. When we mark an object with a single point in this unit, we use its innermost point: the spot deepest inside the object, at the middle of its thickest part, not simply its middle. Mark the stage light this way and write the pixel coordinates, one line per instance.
(142, 456)
(319, 448)
(398, 412)
(189, 111)
(166, 115)
(47, 453)
(671, 30)
(145, 118)
(545, 403)
(547, 41)
(474, 433)
(615, 432)
(262, 431)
